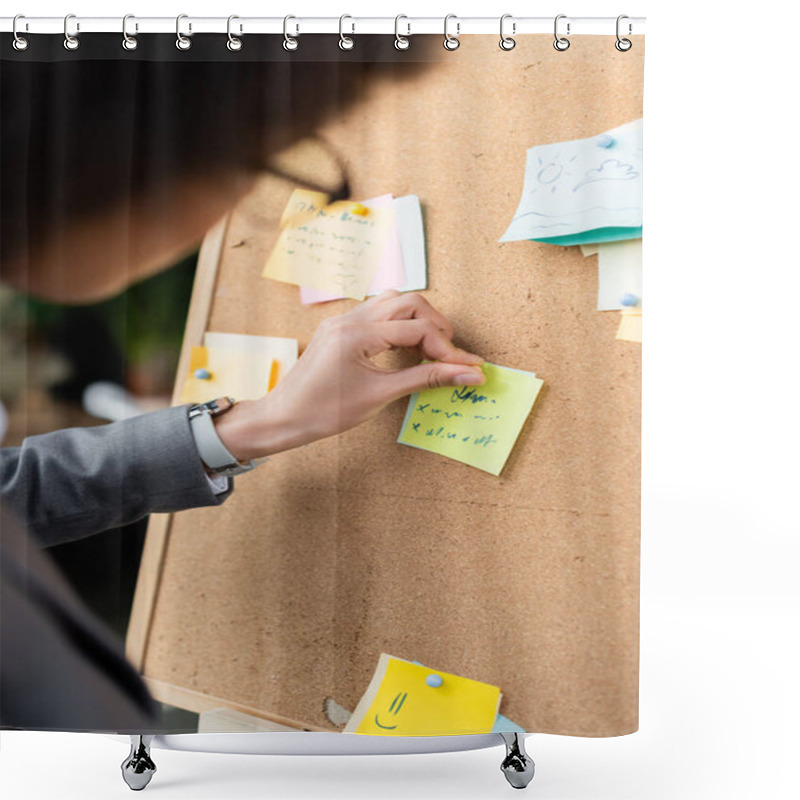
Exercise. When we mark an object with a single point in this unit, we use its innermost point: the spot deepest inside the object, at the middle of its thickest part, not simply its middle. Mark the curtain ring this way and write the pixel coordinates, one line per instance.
(182, 42)
(290, 42)
(71, 42)
(623, 45)
(346, 42)
(234, 42)
(506, 42)
(451, 42)
(129, 42)
(559, 42)
(20, 42)
(401, 42)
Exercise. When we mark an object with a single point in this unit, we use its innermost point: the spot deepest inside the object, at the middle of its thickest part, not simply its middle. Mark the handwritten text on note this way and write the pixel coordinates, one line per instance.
(327, 247)
(477, 425)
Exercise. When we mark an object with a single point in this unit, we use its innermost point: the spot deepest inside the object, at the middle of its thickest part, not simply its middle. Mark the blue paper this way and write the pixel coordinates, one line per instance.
(582, 185)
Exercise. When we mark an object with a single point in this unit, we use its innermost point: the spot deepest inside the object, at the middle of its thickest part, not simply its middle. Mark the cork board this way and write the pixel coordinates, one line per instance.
(283, 598)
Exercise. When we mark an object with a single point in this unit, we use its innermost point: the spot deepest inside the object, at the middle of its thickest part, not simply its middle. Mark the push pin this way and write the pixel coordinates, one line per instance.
(202, 374)
(629, 300)
(434, 681)
(604, 140)
(359, 209)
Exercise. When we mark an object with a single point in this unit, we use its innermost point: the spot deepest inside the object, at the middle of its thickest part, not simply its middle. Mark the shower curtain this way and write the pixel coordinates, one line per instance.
(445, 555)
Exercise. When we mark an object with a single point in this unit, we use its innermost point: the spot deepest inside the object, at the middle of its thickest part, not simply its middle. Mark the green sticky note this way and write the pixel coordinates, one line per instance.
(594, 236)
(477, 425)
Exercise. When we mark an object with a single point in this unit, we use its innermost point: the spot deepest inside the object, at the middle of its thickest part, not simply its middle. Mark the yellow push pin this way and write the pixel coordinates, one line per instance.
(359, 209)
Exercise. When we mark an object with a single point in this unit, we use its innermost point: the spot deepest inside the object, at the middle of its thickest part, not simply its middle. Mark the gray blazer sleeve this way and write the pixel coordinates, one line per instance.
(75, 482)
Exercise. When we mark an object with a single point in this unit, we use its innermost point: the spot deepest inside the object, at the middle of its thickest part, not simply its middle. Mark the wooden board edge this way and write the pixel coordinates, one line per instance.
(155, 548)
(191, 700)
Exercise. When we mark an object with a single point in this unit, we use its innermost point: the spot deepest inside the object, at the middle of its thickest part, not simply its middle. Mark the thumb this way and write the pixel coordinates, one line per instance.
(433, 375)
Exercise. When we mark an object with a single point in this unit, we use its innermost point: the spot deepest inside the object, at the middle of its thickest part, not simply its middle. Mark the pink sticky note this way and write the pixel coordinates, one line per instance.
(390, 272)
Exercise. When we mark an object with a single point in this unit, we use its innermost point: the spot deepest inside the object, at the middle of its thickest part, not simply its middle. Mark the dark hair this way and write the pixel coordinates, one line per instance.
(82, 131)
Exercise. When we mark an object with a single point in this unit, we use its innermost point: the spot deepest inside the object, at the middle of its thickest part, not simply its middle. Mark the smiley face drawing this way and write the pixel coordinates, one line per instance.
(394, 709)
(405, 698)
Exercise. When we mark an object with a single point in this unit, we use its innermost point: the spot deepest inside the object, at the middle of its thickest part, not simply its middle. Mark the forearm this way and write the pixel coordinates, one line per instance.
(72, 483)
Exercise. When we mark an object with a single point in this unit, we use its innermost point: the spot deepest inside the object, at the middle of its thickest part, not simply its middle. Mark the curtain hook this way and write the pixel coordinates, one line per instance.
(71, 42)
(20, 42)
(506, 42)
(401, 42)
(346, 42)
(129, 42)
(623, 45)
(451, 42)
(182, 42)
(234, 42)
(290, 42)
(559, 42)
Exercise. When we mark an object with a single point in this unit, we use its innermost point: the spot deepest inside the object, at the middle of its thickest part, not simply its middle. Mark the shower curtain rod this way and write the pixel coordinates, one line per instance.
(457, 26)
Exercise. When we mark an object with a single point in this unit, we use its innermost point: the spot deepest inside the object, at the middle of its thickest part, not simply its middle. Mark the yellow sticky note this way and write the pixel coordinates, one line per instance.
(630, 326)
(234, 373)
(303, 204)
(474, 424)
(400, 702)
(329, 248)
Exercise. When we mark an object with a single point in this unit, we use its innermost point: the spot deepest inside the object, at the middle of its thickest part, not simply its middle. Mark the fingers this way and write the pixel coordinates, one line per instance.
(375, 337)
(430, 376)
(392, 304)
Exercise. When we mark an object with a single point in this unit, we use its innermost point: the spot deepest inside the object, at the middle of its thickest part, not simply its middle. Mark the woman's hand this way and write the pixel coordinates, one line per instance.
(335, 385)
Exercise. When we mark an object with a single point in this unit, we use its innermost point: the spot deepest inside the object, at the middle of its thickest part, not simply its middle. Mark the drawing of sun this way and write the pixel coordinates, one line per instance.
(550, 173)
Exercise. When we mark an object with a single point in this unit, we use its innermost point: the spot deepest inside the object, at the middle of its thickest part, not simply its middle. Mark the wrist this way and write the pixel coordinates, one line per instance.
(256, 429)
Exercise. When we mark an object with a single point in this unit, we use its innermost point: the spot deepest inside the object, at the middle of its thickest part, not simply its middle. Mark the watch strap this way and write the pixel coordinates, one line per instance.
(212, 451)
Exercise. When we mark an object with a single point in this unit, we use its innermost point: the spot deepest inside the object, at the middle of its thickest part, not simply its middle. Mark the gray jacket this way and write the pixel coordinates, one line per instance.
(60, 669)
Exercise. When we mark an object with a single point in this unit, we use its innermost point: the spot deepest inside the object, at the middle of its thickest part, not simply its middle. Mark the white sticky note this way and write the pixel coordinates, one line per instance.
(412, 242)
(581, 185)
(619, 272)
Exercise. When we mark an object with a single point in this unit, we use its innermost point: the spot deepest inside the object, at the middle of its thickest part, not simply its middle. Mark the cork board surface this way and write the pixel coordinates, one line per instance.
(328, 555)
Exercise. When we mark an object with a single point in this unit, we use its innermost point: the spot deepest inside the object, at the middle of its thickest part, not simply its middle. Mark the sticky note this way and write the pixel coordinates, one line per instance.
(329, 248)
(412, 241)
(574, 187)
(231, 372)
(390, 272)
(630, 325)
(398, 702)
(477, 425)
(238, 365)
(619, 273)
(403, 264)
(282, 349)
(505, 725)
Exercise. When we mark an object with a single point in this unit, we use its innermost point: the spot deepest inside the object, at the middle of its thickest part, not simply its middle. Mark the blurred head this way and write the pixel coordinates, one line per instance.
(113, 168)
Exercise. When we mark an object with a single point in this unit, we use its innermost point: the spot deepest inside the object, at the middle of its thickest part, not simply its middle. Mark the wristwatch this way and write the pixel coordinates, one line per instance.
(212, 451)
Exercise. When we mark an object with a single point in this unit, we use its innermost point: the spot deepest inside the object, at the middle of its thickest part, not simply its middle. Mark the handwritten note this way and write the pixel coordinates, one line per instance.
(329, 247)
(400, 701)
(390, 272)
(477, 425)
(582, 190)
(402, 265)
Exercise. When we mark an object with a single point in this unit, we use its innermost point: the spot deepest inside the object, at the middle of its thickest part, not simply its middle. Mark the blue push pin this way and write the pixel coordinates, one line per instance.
(202, 374)
(434, 681)
(604, 140)
(629, 300)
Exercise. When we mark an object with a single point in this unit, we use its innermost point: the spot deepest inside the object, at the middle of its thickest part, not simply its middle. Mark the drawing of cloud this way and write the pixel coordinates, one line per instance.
(610, 170)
